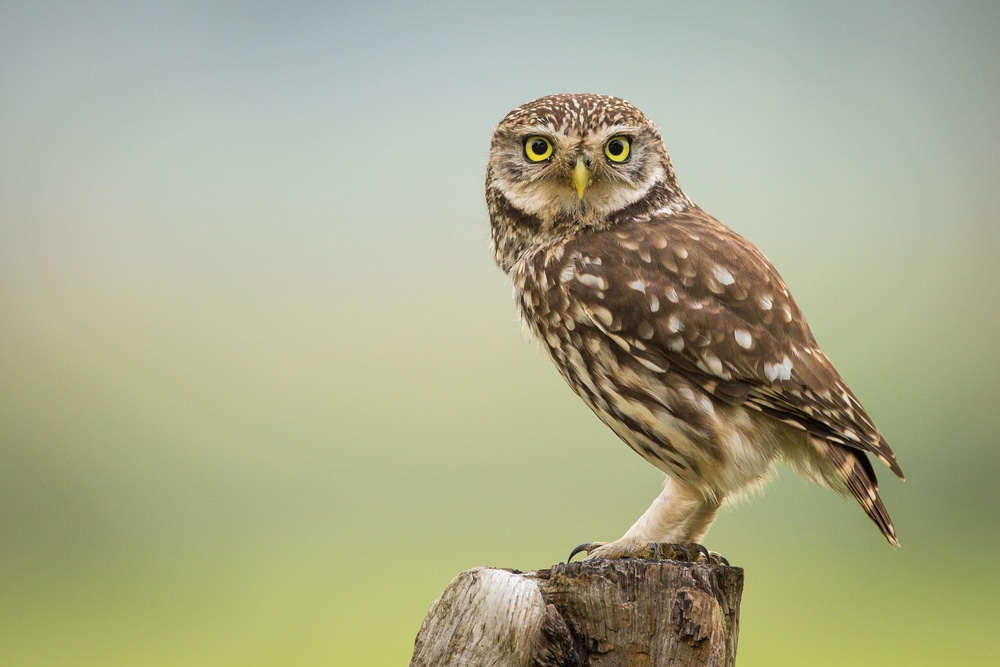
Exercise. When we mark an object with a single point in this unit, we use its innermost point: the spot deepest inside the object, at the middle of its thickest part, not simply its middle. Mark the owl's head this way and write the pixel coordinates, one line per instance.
(578, 158)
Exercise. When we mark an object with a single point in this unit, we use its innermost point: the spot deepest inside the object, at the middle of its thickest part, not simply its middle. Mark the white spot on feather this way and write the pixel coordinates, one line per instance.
(592, 281)
(627, 243)
(638, 285)
(723, 275)
(777, 372)
(743, 338)
(603, 314)
(622, 343)
(713, 364)
(674, 324)
(765, 301)
(738, 447)
(650, 365)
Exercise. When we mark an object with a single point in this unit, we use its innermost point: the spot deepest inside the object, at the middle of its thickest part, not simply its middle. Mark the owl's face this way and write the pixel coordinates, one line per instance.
(576, 156)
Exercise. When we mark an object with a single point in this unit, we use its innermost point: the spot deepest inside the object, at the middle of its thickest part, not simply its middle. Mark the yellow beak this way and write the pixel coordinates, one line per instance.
(581, 176)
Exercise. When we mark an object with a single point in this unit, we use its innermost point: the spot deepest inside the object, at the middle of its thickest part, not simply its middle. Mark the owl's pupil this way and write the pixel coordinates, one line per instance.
(538, 147)
(616, 147)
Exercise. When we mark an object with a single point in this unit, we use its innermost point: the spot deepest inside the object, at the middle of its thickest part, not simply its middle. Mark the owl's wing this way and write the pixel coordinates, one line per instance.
(686, 294)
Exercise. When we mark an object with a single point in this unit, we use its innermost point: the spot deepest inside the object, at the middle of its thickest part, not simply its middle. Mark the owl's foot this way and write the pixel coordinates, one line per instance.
(690, 552)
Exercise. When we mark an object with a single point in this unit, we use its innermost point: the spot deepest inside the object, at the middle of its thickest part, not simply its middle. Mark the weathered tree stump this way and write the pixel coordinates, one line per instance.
(602, 613)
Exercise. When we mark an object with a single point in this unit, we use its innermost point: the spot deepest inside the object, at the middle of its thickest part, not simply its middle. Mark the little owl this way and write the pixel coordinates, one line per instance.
(676, 331)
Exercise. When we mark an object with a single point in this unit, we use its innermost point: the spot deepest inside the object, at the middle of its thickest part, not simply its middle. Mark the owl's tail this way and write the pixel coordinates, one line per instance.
(855, 472)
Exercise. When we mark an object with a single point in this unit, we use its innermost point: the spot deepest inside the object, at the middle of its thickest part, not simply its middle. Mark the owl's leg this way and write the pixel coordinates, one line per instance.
(679, 515)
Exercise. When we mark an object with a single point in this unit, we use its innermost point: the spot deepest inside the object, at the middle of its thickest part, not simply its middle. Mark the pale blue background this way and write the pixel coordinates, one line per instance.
(262, 391)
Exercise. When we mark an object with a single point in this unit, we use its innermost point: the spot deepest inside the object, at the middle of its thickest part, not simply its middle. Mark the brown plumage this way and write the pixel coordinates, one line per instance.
(676, 331)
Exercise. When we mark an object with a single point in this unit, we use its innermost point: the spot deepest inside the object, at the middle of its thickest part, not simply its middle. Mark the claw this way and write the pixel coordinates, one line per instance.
(586, 548)
(702, 551)
(717, 559)
(685, 552)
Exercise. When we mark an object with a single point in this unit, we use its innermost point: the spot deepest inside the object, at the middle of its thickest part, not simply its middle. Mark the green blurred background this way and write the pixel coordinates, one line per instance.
(263, 392)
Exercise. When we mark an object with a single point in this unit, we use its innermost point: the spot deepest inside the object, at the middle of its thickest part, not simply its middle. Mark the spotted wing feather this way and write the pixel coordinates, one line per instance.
(687, 294)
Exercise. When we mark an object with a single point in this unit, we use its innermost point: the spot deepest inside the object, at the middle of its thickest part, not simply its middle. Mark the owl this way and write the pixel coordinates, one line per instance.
(677, 332)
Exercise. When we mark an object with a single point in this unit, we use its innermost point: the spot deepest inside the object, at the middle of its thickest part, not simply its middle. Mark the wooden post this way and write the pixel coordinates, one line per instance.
(602, 613)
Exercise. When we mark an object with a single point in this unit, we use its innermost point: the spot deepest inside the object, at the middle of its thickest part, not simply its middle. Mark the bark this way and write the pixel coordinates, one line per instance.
(601, 613)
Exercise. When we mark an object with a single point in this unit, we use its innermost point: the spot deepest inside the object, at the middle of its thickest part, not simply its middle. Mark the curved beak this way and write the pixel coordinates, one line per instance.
(581, 176)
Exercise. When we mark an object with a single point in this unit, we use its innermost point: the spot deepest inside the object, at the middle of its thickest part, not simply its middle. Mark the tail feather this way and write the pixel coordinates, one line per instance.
(855, 472)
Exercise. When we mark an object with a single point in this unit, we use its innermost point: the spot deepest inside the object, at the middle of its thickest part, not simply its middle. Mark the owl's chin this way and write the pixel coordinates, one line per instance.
(552, 204)
(547, 203)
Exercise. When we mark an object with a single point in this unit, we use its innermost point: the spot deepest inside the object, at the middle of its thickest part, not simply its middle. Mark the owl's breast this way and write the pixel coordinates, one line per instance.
(608, 379)
(551, 317)
(667, 419)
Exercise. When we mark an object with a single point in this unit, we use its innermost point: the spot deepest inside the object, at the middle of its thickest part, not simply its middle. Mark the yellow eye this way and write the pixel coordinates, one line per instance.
(617, 149)
(537, 148)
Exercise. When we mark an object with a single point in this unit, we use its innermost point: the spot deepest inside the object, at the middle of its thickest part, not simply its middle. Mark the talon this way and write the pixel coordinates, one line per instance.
(656, 550)
(586, 548)
(687, 552)
(702, 551)
(718, 559)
